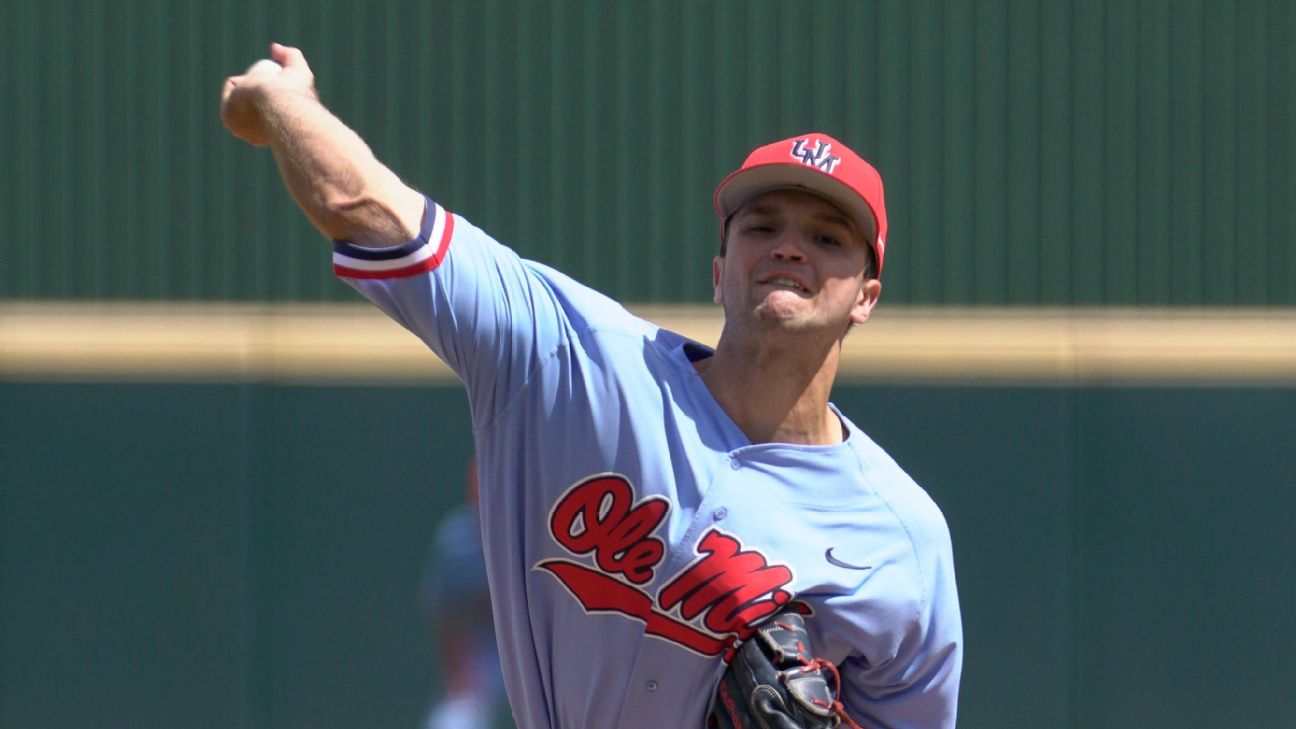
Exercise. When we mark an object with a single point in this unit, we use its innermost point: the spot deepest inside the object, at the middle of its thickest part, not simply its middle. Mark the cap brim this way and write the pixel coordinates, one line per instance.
(741, 186)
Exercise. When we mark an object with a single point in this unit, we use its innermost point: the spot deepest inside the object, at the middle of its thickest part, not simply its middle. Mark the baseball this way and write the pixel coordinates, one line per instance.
(265, 65)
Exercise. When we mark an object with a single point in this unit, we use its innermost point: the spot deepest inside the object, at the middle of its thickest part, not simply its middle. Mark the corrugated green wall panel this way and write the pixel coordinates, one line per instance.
(1041, 152)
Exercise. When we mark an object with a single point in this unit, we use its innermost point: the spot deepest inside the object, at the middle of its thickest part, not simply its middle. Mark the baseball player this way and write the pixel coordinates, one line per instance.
(457, 603)
(647, 502)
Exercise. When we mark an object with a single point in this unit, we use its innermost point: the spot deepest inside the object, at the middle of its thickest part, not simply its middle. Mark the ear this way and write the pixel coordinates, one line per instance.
(868, 298)
(717, 266)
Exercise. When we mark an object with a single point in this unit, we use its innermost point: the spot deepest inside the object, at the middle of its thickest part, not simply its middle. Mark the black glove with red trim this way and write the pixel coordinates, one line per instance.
(774, 682)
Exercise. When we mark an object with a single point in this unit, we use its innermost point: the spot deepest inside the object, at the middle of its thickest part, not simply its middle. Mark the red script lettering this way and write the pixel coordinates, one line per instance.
(597, 516)
(735, 588)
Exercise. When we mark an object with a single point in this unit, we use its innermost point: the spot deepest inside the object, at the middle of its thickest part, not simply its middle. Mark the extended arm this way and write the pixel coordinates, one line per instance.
(490, 315)
(332, 174)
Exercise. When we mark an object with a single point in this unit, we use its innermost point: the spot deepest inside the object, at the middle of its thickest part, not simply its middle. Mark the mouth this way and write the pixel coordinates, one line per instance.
(786, 282)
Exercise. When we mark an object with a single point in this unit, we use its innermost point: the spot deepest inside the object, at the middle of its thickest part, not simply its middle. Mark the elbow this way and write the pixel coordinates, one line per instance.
(373, 218)
(349, 217)
(345, 211)
(342, 205)
(335, 217)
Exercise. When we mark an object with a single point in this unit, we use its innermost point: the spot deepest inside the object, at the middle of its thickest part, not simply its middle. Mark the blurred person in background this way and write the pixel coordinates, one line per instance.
(456, 602)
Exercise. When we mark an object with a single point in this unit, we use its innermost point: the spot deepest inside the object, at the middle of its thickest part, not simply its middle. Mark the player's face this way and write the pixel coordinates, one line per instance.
(796, 260)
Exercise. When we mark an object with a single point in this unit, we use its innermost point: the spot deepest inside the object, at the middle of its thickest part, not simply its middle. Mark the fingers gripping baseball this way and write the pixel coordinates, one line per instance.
(289, 57)
(243, 97)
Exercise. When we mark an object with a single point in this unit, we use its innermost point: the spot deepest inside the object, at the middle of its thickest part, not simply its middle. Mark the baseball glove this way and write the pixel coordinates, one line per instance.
(774, 682)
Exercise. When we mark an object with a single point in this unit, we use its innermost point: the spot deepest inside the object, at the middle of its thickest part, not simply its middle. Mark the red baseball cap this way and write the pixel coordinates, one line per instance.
(816, 163)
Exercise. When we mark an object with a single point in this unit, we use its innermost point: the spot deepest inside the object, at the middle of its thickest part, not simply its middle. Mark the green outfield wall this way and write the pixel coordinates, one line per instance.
(1107, 152)
(247, 555)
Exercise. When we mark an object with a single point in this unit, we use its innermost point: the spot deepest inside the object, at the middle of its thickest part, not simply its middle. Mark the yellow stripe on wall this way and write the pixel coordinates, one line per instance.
(356, 344)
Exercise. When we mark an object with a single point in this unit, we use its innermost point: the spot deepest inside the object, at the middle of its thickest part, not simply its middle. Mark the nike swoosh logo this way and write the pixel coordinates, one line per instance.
(828, 555)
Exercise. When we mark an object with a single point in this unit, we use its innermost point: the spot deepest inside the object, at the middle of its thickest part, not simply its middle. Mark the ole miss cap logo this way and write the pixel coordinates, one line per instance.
(817, 163)
(818, 156)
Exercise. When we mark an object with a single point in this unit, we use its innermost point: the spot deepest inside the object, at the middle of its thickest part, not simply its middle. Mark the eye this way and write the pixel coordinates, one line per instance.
(828, 240)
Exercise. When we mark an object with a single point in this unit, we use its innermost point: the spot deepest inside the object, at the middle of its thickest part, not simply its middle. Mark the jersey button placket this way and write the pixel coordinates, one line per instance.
(720, 514)
(651, 685)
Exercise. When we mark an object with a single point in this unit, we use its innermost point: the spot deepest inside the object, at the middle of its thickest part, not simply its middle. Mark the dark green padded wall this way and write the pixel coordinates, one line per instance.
(248, 555)
(220, 556)
(1037, 152)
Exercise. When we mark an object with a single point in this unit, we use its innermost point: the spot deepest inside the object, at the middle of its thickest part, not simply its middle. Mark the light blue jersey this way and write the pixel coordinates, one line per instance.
(633, 534)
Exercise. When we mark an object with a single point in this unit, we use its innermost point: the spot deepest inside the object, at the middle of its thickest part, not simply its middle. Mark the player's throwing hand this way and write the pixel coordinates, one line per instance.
(241, 96)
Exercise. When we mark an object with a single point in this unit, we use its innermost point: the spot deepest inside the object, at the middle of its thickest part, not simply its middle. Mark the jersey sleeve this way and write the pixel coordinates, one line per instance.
(489, 314)
(915, 686)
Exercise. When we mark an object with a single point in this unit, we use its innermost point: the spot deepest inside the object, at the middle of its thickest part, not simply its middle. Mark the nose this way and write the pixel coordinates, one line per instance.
(788, 248)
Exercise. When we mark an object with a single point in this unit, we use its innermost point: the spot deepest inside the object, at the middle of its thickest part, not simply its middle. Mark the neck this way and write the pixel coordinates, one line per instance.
(776, 392)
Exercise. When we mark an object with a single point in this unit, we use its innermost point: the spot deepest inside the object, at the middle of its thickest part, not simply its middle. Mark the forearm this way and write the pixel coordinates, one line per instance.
(333, 175)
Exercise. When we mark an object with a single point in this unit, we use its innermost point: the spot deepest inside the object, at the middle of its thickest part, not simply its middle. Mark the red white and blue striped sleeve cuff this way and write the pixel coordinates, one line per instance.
(420, 255)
